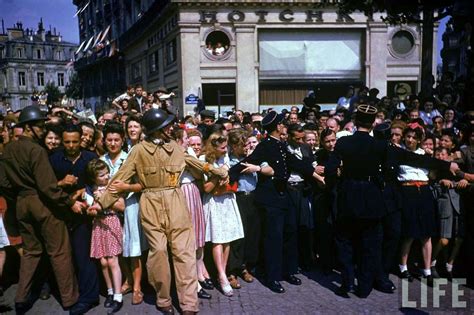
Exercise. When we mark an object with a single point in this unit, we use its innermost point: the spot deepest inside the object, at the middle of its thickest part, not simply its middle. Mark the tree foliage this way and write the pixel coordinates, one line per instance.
(74, 88)
(54, 94)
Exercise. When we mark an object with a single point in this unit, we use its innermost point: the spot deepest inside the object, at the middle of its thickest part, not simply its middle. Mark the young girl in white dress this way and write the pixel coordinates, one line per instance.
(223, 222)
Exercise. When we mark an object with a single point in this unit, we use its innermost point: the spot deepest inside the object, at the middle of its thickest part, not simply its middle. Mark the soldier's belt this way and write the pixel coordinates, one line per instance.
(158, 189)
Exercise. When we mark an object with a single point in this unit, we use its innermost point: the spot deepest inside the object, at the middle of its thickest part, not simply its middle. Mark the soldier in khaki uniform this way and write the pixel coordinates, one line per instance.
(158, 162)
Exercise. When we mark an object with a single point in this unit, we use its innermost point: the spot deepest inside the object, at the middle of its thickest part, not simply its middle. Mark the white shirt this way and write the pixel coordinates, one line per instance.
(409, 173)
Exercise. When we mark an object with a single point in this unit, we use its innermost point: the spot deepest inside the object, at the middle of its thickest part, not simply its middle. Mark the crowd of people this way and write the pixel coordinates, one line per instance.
(266, 195)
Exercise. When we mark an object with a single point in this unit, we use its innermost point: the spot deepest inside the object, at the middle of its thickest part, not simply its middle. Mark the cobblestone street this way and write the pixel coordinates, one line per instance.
(314, 296)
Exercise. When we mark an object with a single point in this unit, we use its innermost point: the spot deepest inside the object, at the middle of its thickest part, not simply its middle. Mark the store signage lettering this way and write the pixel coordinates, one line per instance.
(286, 16)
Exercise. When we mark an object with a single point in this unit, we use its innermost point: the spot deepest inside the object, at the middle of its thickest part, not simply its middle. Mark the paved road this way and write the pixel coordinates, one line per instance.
(314, 296)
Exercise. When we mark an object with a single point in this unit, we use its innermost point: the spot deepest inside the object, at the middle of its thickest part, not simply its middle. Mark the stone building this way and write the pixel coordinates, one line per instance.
(30, 59)
(258, 54)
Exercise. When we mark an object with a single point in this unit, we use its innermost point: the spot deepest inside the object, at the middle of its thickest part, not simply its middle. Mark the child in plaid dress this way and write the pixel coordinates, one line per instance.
(106, 242)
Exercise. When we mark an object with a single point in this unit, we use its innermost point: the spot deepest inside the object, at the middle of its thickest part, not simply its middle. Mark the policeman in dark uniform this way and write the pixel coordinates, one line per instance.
(360, 198)
(271, 194)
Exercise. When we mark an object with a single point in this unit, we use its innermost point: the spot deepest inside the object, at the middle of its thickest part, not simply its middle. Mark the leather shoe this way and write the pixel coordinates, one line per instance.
(246, 276)
(23, 307)
(81, 308)
(429, 280)
(292, 279)
(386, 287)
(343, 291)
(45, 292)
(234, 282)
(168, 310)
(207, 284)
(276, 287)
(204, 295)
(406, 275)
(115, 307)
(108, 301)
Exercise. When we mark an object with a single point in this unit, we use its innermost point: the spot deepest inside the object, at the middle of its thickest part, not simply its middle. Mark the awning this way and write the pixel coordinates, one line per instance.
(314, 54)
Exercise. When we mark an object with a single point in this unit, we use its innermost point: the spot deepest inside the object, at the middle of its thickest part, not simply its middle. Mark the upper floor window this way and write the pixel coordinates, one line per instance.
(171, 52)
(136, 70)
(40, 78)
(2, 52)
(20, 53)
(21, 78)
(38, 53)
(153, 62)
(217, 43)
(60, 79)
(59, 54)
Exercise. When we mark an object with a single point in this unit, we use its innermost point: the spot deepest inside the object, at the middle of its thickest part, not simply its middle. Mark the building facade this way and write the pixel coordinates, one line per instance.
(29, 60)
(253, 55)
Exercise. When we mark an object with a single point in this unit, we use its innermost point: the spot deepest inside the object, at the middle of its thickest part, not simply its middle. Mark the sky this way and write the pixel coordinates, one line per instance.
(57, 13)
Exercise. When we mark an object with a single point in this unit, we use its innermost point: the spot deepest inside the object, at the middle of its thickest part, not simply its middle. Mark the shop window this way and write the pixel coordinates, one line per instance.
(403, 43)
(217, 44)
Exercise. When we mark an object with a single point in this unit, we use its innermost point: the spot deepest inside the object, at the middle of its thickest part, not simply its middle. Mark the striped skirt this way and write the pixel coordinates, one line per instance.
(194, 204)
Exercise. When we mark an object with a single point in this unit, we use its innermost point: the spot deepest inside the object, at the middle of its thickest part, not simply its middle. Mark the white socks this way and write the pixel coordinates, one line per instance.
(433, 263)
(110, 291)
(449, 267)
(403, 268)
(118, 297)
(427, 272)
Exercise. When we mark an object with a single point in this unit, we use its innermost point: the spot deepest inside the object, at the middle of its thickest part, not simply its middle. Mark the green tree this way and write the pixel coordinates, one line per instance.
(54, 94)
(74, 88)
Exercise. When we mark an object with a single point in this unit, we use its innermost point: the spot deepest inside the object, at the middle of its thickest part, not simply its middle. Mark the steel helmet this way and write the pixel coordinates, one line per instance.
(155, 119)
(31, 114)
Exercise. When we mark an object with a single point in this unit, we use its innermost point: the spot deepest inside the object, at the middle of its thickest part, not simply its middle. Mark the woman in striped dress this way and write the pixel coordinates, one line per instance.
(194, 203)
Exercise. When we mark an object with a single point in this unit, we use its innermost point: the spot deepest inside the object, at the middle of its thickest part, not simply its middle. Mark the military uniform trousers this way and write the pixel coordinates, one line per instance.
(39, 225)
(366, 236)
(280, 240)
(166, 221)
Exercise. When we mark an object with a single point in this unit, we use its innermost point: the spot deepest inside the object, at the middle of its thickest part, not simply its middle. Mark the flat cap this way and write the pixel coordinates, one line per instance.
(207, 113)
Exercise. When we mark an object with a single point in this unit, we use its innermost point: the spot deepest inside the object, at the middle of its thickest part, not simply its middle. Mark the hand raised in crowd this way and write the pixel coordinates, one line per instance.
(77, 207)
(446, 183)
(118, 187)
(462, 184)
(68, 180)
(78, 194)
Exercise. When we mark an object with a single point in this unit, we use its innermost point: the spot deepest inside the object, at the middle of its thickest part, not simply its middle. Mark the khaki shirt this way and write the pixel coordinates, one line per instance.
(29, 172)
(158, 167)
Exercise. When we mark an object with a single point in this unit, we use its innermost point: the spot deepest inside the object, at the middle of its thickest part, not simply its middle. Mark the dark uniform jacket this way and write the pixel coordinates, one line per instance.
(363, 161)
(272, 190)
(29, 172)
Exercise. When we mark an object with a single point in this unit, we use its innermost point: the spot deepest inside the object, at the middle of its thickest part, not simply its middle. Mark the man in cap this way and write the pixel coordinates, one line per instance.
(208, 118)
(271, 194)
(159, 162)
(30, 174)
(360, 199)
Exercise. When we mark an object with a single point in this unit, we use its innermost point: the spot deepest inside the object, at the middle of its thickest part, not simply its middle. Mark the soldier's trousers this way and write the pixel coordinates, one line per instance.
(166, 221)
(366, 236)
(38, 226)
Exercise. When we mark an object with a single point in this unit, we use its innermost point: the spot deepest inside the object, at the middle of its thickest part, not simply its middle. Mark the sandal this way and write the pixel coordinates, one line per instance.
(247, 276)
(137, 297)
(126, 288)
(226, 288)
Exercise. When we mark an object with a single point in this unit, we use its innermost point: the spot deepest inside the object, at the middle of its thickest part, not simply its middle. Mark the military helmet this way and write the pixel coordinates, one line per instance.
(155, 119)
(31, 114)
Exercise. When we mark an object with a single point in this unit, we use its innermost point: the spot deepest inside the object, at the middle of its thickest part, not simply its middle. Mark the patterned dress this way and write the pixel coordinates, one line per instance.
(223, 222)
(106, 235)
(134, 241)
